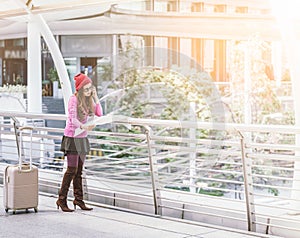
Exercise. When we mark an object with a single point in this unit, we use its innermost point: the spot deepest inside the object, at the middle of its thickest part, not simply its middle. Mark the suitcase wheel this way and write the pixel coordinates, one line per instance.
(14, 212)
(6, 210)
(26, 210)
(35, 210)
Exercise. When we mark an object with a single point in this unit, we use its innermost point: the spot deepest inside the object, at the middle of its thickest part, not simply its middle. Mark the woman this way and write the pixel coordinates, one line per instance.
(83, 105)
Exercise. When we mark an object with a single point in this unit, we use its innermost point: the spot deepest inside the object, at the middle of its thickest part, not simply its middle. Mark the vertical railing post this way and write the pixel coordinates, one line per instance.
(84, 185)
(248, 184)
(153, 173)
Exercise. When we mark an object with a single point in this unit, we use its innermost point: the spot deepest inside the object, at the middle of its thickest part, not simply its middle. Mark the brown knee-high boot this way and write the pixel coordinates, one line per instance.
(78, 192)
(63, 193)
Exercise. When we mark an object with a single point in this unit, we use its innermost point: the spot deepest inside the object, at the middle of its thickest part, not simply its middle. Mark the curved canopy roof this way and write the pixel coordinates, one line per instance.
(71, 17)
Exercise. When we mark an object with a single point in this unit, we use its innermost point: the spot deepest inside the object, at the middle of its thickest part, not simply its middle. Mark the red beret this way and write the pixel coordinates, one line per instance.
(81, 80)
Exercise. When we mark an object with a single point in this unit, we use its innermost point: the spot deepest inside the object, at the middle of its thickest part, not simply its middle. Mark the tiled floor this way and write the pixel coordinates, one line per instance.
(101, 222)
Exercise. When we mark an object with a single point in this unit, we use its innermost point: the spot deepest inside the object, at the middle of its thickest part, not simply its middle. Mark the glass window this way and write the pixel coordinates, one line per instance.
(209, 55)
(71, 65)
(241, 10)
(220, 8)
(197, 7)
(18, 42)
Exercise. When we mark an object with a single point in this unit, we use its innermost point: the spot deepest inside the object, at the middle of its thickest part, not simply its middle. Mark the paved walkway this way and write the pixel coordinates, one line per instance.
(100, 223)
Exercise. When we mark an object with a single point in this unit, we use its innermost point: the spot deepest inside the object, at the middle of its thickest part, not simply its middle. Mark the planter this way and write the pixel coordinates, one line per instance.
(59, 93)
(55, 89)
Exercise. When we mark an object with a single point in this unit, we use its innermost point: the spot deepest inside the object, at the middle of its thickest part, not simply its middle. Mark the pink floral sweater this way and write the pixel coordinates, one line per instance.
(73, 122)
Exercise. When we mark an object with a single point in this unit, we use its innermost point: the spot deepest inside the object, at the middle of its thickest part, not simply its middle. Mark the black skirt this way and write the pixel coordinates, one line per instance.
(77, 146)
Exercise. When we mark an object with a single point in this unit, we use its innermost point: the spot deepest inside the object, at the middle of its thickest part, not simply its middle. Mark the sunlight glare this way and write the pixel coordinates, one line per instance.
(287, 9)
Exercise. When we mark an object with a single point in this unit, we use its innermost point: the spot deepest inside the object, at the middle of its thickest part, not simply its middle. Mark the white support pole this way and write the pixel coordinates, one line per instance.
(57, 58)
(287, 30)
(34, 82)
(247, 88)
(192, 154)
(115, 51)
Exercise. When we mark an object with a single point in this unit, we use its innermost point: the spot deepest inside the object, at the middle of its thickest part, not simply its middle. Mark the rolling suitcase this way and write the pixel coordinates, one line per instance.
(21, 181)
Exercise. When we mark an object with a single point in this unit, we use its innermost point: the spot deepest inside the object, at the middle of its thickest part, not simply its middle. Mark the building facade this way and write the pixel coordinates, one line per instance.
(87, 51)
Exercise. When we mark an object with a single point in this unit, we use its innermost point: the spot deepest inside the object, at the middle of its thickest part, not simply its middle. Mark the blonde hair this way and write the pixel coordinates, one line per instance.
(85, 105)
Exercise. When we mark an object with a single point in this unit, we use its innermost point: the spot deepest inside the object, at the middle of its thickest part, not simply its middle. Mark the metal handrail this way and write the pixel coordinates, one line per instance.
(242, 182)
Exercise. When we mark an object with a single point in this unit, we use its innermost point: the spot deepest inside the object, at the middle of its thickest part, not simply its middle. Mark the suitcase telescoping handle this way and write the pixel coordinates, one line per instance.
(21, 129)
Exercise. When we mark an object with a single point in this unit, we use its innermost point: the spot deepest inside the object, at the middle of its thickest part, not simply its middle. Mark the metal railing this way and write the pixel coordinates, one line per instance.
(233, 175)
